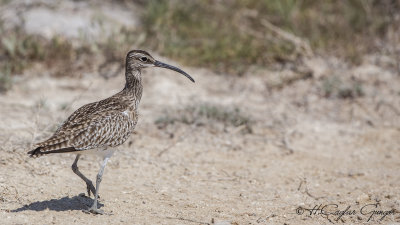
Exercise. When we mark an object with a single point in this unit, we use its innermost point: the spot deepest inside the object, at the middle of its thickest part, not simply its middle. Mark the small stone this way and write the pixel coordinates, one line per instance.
(363, 198)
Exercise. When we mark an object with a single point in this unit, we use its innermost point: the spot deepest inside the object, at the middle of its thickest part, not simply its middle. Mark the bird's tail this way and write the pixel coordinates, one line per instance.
(35, 152)
(38, 151)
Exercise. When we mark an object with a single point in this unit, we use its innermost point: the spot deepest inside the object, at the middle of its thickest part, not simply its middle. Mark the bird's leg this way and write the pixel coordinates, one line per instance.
(89, 184)
(94, 208)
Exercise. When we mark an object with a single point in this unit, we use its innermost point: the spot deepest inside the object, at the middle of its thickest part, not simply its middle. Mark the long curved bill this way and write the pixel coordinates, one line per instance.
(164, 65)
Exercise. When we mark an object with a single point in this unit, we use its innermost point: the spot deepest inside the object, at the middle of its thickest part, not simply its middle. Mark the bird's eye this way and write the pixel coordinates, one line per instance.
(143, 59)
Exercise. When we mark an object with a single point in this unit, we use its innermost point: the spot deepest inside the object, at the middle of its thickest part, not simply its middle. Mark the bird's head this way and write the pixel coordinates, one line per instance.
(139, 59)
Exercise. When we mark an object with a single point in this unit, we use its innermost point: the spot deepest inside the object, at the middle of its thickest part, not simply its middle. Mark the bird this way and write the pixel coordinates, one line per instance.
(99, 127)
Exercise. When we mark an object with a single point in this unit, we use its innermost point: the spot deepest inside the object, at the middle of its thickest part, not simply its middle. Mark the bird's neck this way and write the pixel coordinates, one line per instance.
(133, 86)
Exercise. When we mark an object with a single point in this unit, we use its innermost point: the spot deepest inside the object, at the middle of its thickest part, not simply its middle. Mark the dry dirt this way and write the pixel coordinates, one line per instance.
(304, 150)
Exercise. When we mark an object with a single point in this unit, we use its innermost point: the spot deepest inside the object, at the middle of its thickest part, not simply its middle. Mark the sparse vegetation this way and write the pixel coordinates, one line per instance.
(5, 81)
(335, 87)
(226, 36)
(230, 36)
(20, 50)
(201, 35)
(206, 114)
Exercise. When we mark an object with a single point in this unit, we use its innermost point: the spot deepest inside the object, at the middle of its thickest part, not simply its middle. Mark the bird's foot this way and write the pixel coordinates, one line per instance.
(94, 210)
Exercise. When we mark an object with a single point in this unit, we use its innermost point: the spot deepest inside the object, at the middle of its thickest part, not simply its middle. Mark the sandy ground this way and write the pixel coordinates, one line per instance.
(304, 151)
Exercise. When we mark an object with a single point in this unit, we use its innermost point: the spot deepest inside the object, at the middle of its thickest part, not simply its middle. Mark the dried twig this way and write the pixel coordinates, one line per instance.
(390, 106)
(298, 42)
(176, 141)
(188, 220)
(306, 191)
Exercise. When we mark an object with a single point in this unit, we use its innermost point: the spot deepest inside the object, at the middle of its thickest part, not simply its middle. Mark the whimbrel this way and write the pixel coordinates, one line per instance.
(101, 126)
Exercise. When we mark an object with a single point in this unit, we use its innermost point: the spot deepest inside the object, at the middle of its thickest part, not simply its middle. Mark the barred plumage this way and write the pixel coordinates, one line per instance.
(105, 124)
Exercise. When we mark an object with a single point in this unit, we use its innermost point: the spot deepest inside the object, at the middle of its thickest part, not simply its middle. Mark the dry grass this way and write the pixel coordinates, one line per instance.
(231, 36)
(205, 113)
(20, 50)
(59, 55)
(336, 87)
(228, 37)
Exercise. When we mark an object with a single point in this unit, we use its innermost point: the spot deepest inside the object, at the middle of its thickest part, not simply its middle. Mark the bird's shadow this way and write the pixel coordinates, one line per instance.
(63, 204)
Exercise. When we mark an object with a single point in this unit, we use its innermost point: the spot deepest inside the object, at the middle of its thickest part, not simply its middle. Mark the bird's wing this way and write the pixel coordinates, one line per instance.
(92, 126)
(111, 130)
(88, 111)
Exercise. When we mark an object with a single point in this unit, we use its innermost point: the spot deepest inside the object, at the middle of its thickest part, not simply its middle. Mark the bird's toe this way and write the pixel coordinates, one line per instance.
(93, 210)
